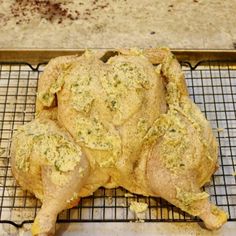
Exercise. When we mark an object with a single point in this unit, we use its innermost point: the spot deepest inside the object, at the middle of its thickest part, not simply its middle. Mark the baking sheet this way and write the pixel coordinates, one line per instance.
(211, 85)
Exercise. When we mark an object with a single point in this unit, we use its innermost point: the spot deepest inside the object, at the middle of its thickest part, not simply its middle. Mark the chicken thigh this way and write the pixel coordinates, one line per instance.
(128, 122)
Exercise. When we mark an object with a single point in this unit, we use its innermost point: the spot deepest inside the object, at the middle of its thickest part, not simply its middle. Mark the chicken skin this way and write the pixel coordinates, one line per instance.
(126, 122)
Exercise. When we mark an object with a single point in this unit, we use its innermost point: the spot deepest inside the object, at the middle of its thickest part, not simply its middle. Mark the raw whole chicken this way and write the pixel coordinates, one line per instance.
(126, 122)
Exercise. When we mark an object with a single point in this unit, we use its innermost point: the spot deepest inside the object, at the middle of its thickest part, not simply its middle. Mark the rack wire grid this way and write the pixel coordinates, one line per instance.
(212, 85)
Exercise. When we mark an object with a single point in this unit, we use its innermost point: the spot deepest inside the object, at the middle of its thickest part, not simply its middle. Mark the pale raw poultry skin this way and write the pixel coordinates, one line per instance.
(121, 123)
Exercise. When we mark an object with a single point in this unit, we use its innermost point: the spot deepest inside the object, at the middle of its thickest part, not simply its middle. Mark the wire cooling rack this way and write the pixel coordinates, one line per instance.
(212, 85)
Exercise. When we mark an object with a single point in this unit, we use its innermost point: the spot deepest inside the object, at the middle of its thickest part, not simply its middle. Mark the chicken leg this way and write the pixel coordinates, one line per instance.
(183, 156)
(185, 196)
(55, 173)
(57, 198)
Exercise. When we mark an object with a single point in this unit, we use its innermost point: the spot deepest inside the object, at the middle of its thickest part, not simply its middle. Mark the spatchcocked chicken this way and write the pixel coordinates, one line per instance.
(128, 122)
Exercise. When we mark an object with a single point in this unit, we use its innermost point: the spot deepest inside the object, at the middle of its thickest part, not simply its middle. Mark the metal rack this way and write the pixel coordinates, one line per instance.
(212, 85)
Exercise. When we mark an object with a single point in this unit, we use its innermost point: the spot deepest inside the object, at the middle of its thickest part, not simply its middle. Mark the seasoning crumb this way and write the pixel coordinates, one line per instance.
(140, 221)
(153, 32)
(129, 195)
(220, 129)
(138, 207)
